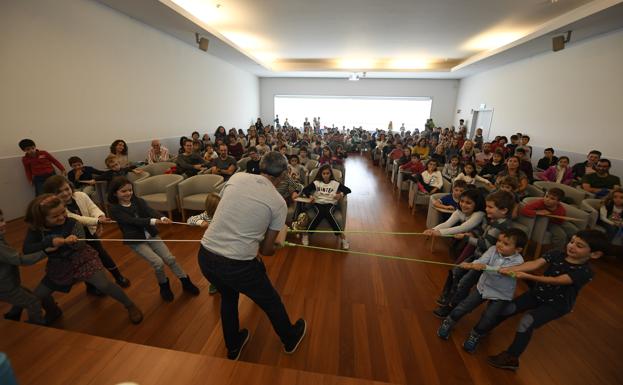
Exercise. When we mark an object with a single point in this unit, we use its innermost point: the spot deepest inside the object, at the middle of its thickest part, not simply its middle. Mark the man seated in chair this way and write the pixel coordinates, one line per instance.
(601, 182)
(224, 165)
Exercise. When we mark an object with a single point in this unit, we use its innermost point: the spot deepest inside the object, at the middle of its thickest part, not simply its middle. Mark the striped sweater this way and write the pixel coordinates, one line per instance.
(489, 232)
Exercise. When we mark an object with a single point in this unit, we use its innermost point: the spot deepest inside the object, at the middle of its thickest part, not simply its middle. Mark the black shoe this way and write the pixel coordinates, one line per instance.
(122, 281)
(188, 286)
(14, 314)
(300, 328)
(504, 360)
(244, 338)
(165, 291)
(92, 290)
(442, 311)
(52, 314)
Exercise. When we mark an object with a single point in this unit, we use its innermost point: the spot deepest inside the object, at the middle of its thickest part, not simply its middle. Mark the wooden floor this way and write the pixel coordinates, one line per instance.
(369, 318)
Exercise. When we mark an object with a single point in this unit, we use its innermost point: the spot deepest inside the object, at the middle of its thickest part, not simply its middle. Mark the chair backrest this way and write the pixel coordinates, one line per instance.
(199, 184)
(134, 177)
(534, 192)
(156, 184)
(242, 163)
(592, 206)
(311, 164)
(433, 217)
(157, 168)
(574, 195)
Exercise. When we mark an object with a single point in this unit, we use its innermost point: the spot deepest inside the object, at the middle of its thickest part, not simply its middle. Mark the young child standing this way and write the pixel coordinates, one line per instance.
(560, 229)
(11, 290)
(553, 294)
(81, 208)
(38, 164)
(204, 219)
(70, 260)
(325, 192)
(499, 206)
(137, 222)
(496, 289)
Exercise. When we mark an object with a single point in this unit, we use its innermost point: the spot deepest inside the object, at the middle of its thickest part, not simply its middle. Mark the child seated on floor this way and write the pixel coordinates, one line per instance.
(497, 289)
(499, 206)
(552, 294)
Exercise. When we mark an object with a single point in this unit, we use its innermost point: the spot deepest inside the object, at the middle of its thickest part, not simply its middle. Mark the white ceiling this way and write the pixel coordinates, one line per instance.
(386, 38)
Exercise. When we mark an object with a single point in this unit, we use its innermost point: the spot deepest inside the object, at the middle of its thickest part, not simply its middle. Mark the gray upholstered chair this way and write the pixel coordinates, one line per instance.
(160, 192)
(242, 164)
(417, 197)
(541, 236)
(573, 194)
(135, 177)
(194, 190)
(433, 217)
(592, 206)
(336, 173)
(158, 168)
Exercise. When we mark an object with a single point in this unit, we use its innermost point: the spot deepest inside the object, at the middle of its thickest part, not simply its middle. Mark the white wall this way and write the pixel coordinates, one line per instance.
(443, 92)
(78, 74)
(569, 100)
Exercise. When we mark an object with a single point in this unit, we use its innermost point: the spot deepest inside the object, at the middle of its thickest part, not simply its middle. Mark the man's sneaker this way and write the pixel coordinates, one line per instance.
(305, 240)
(504, 360)
(345, 244)
(445, 328)
(471, 343)
(244, 338)
(212, 289)
(442, 311)
(300, 328)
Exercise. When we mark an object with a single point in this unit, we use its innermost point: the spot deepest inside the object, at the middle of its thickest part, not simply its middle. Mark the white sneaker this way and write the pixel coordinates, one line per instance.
(305, 240)
(345, 244)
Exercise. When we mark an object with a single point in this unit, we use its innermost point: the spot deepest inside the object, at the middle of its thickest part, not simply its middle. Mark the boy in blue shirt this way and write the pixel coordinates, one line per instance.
(495, 288)
(450, 201)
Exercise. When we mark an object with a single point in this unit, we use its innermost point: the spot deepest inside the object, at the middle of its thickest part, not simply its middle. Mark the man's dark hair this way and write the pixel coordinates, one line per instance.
(604, 160)
(273, 164)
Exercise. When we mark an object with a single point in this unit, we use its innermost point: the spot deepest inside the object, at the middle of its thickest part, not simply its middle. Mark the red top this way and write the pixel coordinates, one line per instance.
(414, 167)
(40, 164)
(530, 209)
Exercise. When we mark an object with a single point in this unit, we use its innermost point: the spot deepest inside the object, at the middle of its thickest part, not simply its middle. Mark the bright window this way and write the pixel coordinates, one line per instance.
(368, 112)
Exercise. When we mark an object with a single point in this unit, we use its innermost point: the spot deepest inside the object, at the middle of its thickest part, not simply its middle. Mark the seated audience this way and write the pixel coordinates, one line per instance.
(190, 163)
(601, 182)
(558, 173)
(157, 153)
(548, 160)
(253, 164)
(119, 148)
(586, 167)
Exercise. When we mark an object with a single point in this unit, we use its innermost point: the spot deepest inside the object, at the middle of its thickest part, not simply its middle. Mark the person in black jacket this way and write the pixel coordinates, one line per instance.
(137, 222)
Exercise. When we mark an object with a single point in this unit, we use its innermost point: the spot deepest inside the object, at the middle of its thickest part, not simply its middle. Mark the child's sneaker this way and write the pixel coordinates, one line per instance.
(300, 328)
(244, 338)
(345, 244)
(444, 330)
(504, 360)
(471, 343)
(305, 240)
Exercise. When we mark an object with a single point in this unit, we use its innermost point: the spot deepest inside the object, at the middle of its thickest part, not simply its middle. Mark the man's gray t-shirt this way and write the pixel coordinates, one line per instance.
(250, 205)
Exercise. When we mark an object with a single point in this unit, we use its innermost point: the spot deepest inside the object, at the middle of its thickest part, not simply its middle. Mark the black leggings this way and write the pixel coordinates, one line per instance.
(325, 211)
(106, 259)
(537, 314)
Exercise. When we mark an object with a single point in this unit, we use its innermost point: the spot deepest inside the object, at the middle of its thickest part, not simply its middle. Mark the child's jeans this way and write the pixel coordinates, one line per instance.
(158, 254)
(489, 317)
(38, 181)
